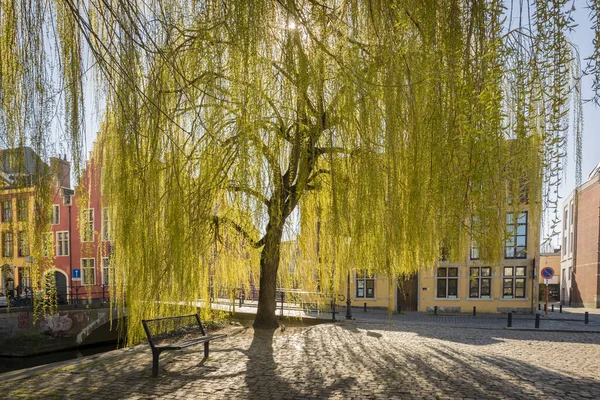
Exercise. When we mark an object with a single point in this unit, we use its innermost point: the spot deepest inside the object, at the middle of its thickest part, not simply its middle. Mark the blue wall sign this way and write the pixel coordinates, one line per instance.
(76, 274)
(547, 273)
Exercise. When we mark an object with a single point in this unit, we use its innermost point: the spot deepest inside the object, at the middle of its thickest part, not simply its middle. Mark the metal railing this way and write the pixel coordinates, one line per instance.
(69, 295)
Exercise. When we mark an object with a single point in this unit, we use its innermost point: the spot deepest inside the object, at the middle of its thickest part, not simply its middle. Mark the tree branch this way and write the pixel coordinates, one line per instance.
(248, 190)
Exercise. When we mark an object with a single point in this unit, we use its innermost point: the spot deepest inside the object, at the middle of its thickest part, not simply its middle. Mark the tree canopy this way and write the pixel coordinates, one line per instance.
(373, 133)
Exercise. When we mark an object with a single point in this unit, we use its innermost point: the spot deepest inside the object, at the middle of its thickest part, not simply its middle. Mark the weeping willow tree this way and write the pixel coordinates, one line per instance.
(373, 133)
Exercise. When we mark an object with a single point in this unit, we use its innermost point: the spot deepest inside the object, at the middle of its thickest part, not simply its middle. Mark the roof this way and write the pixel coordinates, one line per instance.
(20, 166)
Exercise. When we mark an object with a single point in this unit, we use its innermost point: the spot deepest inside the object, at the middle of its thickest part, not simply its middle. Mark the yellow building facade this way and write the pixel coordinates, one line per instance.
(510, 286)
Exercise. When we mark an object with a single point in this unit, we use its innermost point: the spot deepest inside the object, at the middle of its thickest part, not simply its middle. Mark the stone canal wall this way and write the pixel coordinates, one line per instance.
(22, 335)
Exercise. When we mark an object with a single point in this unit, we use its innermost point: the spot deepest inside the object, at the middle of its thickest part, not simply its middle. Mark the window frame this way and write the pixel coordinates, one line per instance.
(48, 244)
(364, 280)
(479, 278)
(105, 230)
(22, 244)
(7, 215)
(512, 279)
(106, 271)
(59, 242)
(84, 274)
(513, 237)
(11, 248)
(446, 278)
(22, 209)
(55, 214)
(88, 226)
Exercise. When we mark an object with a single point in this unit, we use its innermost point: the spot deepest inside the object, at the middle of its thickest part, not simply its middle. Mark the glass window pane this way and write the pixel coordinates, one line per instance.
(371, 288)
(509, 218)
(441, 288)
(509, 252)
(508, 271)
(441, 272)
(474, 288)
(486, 271)
(486, 285)
(522, 218)
(474, 272)
(521, 241)
(453, 272)
(360, 292)
(360, 284)
(522, 230)
(452, 287)
(507, 287)
(520, 271)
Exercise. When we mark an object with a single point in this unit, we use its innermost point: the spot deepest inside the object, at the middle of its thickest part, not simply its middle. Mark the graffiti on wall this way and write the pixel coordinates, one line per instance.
(57, 324)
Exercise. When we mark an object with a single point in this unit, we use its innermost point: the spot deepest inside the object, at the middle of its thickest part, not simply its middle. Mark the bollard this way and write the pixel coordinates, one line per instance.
(474, 311)
(552, 307)
(333, 310)
(545, 307)
(587, 317)
(365, 307)
(537, 320)
(509, 324)
(434, 310)
(560, 308)
(539, 306)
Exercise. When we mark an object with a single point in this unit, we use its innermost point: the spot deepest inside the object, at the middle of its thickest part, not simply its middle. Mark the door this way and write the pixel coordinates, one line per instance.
(407, 292)
(61, 287)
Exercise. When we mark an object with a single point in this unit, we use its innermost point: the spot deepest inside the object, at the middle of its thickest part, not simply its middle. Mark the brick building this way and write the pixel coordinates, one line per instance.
(580, 266)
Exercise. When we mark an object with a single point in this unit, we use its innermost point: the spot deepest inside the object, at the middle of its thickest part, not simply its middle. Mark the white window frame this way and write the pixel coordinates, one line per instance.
(364, 278)
(12, 244)
(105, 225)
(22, 244)
(514, 278)
(88, 225)
(48, 244)
(55, 214)
(59, 244)
(106, 270)
(446, 278)
(84, 268)
(479, 277)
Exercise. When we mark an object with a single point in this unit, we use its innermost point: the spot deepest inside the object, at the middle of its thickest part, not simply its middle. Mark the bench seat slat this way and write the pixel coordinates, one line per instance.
(190, 342)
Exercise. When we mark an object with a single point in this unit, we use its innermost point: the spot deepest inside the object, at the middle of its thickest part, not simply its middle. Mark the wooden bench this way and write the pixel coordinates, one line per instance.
(169, 322)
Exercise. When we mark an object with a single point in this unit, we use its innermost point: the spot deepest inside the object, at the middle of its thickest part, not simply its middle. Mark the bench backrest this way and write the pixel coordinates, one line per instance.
(161, 328)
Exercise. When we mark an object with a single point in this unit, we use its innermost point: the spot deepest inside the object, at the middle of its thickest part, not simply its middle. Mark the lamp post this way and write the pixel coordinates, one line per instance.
(348, 302)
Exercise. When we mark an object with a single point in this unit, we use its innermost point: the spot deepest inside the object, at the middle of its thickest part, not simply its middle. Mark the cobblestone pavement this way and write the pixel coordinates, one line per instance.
(354, 359)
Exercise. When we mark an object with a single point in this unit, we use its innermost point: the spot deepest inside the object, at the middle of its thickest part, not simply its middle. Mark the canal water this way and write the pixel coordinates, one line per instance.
(15, 363)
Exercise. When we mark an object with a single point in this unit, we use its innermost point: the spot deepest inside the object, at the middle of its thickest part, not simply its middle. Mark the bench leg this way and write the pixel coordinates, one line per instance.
(206, 349)
(155, 356)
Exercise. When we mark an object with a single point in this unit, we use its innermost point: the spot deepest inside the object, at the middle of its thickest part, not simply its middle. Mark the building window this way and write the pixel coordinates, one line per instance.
(23, 244)
(480, 282)
(516, 231)
(55, 214)
(62, 243)
(365, 285)
(474, 254)
(513, 282)
(7, 244)
(6, 211)
(105, 224)
(105, 270)
(570, 273)
(22, 210)
(447, 283)
(47, 244)
(87, 225)
(88, 271)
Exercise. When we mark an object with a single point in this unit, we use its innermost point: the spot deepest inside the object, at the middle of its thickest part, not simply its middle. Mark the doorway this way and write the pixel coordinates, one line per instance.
(407, 291)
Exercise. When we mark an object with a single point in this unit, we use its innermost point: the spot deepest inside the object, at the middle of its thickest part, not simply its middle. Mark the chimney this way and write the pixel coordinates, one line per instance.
(62, 170)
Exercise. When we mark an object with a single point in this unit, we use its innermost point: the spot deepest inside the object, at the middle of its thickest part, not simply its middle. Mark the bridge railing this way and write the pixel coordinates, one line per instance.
(73, 295)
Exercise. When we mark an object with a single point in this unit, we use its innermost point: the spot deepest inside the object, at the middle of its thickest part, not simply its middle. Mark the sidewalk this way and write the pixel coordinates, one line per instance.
(570, 320)
(366, 358)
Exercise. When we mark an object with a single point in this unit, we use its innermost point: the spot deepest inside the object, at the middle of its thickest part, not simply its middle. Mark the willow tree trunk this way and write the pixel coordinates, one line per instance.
(269, 264)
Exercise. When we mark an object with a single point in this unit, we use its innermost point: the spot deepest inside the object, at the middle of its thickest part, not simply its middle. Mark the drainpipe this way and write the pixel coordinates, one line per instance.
(70, 255)
(533, 279)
